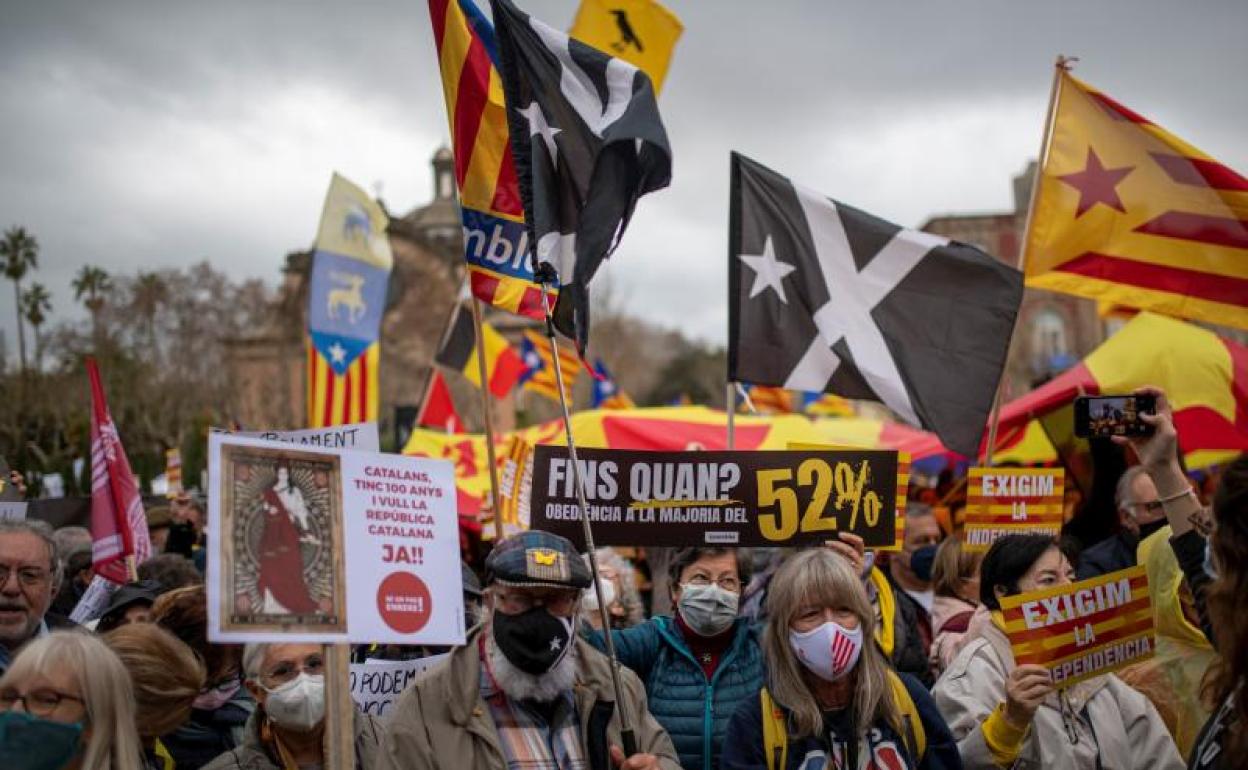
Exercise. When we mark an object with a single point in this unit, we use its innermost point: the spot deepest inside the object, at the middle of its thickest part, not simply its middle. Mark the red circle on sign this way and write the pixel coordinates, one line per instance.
(404, 602)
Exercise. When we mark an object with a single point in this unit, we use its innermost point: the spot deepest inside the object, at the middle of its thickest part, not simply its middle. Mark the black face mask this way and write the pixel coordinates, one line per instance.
(534, 641)
(921, 562)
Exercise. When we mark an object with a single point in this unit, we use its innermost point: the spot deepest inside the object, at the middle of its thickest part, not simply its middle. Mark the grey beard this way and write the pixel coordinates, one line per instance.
(521, 685)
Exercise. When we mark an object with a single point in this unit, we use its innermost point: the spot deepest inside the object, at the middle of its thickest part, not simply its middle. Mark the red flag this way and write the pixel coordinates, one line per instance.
(118, 523)
(439, 410)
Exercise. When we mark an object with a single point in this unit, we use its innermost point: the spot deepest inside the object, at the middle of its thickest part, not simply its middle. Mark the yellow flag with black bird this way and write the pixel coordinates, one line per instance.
(641, 32)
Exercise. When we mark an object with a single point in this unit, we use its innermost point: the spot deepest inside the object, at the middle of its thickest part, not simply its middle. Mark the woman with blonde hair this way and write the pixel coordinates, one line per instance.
(166, 675)
(66, 702)
(831, 698)
(955, 584)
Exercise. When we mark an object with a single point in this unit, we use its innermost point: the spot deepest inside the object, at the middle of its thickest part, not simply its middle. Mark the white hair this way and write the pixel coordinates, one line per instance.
(521, 685)
(1122, 492)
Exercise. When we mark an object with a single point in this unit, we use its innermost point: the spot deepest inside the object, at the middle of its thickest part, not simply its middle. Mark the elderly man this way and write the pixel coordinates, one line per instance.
(30, 574)
(525, 691)
(1139, 515)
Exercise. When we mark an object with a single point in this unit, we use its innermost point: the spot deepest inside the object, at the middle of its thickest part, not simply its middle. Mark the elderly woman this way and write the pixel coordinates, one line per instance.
(701, 664)
(66, 702)
(831, 698)
(167, 676)
(1007, 715)
(619, 588)
(288, 726)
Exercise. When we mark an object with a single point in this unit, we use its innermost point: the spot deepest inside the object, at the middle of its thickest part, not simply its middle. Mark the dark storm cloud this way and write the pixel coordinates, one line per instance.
(142, 134)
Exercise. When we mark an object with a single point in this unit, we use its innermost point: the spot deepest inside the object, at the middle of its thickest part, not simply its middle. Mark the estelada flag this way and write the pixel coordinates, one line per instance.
(351, 263)
(607, 393)
(641, 32)
(118, 523)
(1129, 213)
(458, 351)
(496, 243)
(539, 363)
(438, 411)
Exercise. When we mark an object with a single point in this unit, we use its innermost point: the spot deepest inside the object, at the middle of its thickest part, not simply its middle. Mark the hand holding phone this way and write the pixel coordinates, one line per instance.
(1108, 416)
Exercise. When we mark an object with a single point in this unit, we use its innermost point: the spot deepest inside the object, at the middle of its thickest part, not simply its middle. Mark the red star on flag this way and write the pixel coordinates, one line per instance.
(1096, 184)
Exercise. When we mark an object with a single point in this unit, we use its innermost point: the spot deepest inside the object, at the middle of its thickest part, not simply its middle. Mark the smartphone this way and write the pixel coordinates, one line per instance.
(1105, 416)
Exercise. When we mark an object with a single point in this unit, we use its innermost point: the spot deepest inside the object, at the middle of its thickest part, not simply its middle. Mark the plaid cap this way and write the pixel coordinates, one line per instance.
(538, 559)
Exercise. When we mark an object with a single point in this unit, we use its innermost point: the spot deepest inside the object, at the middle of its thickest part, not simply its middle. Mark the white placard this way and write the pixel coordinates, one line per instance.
(94, 600)
(377, 537)
(13, 511)
(360, 436)
(376, 684)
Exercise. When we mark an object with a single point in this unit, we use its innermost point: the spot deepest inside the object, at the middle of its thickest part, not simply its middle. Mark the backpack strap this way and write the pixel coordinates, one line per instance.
(885, 632)
(775, 732)
(915, 737)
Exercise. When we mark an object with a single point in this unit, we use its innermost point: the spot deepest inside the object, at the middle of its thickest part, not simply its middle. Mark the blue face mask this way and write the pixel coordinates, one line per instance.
(30, 743)
(921, 562)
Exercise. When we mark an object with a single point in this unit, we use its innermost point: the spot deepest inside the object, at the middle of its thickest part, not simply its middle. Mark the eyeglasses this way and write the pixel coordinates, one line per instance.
(283, 672)
(41, 703)
(28, 577)
(727, 583)
(560, 603)
(1152, 506)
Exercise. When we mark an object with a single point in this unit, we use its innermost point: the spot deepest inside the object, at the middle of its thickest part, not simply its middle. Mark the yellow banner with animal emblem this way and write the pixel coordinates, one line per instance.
(350, 273)
(641, 32)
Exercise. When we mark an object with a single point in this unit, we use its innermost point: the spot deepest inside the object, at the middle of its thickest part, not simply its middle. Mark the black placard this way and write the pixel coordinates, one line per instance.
(718, 498)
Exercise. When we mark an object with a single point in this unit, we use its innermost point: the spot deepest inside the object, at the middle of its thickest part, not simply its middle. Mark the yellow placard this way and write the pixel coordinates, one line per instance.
(1004, 501)
(1083, 629)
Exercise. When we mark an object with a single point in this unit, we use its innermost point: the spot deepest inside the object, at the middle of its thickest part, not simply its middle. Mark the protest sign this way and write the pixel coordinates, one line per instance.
(361, 436)
(94, 600)
(377, 684)
(717, 498)
(515, 484)
(903, 487)
(330, 545)
(1003, 501)
(1083, 629)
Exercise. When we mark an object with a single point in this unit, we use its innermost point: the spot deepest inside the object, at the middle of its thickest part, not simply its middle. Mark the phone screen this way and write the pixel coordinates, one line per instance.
(1105, 416)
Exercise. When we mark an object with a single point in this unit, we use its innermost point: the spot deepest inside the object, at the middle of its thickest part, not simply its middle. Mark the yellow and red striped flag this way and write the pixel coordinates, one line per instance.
(341, 400)
(539, 375)
(1129, 213)
(496, 242)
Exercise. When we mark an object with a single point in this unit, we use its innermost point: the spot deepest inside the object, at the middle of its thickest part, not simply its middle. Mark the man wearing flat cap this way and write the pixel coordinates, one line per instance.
(525, 691)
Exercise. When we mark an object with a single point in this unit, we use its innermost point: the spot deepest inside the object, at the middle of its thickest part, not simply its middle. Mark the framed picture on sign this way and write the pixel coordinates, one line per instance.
(281, 541)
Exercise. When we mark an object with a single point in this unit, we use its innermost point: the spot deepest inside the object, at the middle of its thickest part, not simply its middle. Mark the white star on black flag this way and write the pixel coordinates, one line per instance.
(826, 298)
(587, 143)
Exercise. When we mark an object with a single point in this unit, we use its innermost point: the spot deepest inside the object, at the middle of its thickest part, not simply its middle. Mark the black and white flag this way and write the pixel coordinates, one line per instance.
(825, 298)
(587, 143)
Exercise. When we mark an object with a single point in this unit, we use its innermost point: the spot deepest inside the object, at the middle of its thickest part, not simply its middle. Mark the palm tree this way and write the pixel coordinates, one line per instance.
(90, 285)
(20, 252)
(36, 304)
(150, 292)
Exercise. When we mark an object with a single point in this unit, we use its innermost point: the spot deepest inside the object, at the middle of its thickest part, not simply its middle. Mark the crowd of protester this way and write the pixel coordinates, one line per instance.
(832, 657)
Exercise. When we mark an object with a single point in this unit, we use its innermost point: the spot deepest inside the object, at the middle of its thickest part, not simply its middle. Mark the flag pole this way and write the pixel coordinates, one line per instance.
(488, 411)
(732, 414)
(1062, 64)
(546, 276)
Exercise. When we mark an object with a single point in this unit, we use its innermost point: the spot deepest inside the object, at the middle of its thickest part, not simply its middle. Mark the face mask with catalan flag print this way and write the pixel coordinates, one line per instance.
(830, 651)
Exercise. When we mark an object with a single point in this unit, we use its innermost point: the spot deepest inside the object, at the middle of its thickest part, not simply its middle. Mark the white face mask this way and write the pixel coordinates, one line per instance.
(590, 600)
(298, 704)
(708, 609)
(830, 651)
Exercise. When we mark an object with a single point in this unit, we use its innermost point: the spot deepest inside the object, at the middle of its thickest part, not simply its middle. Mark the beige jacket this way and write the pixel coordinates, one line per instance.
(441, 722)
(1104, 716)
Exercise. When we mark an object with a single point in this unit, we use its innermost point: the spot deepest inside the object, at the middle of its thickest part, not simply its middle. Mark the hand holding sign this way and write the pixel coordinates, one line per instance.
(1025, 689)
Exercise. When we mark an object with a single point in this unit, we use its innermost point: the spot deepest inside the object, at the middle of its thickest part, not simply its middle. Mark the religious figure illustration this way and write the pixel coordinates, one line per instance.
(282, 527)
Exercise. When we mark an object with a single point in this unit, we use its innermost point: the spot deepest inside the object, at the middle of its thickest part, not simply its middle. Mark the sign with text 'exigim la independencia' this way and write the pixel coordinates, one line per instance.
(724, 498)
(1083, 629)
(1003, 501)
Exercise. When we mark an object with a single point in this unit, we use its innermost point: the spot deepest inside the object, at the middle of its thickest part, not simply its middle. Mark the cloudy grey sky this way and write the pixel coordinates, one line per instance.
(144, 134)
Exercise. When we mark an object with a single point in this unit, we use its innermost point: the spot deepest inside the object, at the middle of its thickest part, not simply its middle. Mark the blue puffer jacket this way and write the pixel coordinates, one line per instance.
(694, 712)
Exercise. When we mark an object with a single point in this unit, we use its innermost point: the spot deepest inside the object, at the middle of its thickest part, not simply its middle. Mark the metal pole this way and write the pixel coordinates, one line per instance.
(488, 411)
(545, 275)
